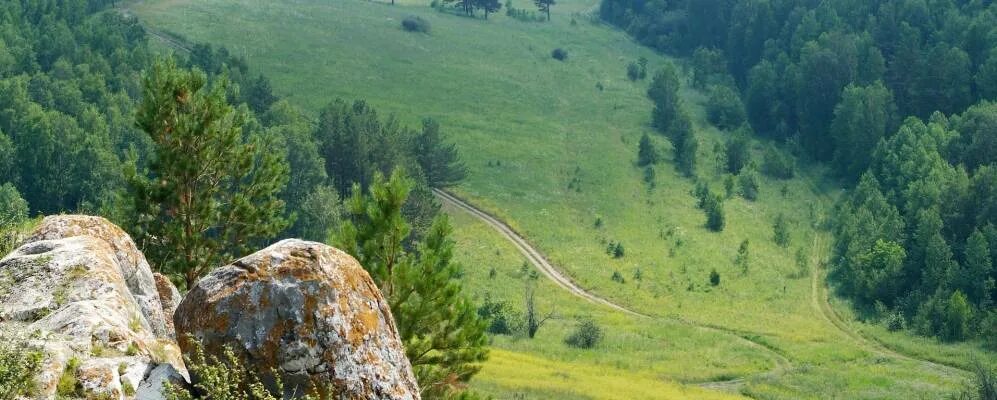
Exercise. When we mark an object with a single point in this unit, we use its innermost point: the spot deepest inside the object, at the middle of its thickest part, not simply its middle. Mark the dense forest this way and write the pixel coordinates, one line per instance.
(203, 163)
(894, 96)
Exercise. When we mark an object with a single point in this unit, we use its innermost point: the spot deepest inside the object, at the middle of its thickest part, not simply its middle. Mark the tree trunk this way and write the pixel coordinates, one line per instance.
(548, 13)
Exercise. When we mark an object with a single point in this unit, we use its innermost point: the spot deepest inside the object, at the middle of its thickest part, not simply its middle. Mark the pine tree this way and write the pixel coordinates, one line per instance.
(210, 195)
(439, 160)
(714, 207)
(646, 153)
(743, 258)
(443, 335)
(781, 231)
(544, 6)
(664, 94)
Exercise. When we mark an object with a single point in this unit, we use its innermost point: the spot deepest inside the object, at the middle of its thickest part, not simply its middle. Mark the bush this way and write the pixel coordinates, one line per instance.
(633, 71)
(497, 315)
(415, 24)
(224, 378)
(586, 335)
(714, 278)
(618, 277)
(559, 54)
(19, 363)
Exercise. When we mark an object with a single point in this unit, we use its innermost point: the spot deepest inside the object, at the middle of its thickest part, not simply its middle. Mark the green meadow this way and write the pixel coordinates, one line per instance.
(551, 148)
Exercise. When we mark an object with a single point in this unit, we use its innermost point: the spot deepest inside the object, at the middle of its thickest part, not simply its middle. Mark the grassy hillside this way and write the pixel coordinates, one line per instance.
(550, 152)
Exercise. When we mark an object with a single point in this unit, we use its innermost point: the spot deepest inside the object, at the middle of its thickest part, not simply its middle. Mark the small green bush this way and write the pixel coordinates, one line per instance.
(714, 278)
(223, 379)
(559, 54)
(415, 24)
(19, 363)
(618, 277)
(585, 336)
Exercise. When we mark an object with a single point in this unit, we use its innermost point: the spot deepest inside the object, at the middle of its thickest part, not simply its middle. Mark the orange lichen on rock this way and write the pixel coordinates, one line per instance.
(307, 312)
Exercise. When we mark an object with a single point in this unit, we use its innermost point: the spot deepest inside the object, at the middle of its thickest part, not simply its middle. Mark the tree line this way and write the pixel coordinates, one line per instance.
(894, 96)
(203, 163)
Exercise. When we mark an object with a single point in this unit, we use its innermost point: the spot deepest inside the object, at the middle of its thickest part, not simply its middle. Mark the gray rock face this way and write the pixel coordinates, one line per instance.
(307, 311)
(83, 290)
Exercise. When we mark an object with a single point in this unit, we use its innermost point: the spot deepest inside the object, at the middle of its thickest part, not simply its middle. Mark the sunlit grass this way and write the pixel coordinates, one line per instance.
(528, 126)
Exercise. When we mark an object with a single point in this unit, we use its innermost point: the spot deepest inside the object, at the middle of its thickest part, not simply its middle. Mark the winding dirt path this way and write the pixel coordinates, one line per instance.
(821, 302)
(782, 364)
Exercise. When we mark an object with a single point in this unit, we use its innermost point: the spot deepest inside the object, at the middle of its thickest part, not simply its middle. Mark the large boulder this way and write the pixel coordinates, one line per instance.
(83, 292)
(305, 311)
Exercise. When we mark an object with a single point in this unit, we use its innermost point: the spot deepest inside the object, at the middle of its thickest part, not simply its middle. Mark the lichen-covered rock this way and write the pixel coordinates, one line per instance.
(132, 263)
(307, 311)
(169, 298)
(77, 287)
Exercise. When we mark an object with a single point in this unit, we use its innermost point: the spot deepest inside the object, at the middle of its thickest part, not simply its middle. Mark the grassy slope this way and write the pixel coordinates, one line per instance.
(495, 89)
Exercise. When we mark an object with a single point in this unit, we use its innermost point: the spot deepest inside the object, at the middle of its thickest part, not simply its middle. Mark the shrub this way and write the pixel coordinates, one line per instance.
(415, 24)
(714, 278)
(68, 385)
(497, 315)
(982, 386)
(224, 378)
(618, 251)
(633, 71)
(19, 363)
(559, 54)
(585, 336)
(894, 321)
(618, 277)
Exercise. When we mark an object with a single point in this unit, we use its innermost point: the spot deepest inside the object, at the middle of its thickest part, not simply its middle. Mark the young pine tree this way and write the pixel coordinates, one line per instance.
(743, 258)
(647, 154)
(210, 194)
(781, 231)
(443, 335)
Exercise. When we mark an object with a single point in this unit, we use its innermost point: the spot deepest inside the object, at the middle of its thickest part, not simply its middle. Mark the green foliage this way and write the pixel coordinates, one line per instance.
(664, 93)
(544, 7)
(586, 335)
(415, 24)
(687, 146)
(210, 193)
(69, 385)
(444, 335)
(20, 362)
(780, 231)
(724, 108)
(709, 67)
(737, 152)
(13, 212)
(861, 119)
(714, 208)
(439, 161)
(778, 164)
(748, 184)
(743, 259)
(983, 385)
(225, 378)
(559, 54)
(647, 154)
(714, 277)
(499, 316)
(618, 277)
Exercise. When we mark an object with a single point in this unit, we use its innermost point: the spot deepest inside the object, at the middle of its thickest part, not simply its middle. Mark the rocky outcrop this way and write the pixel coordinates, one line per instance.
(83, 291)
(169, 299)
(306, 311)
